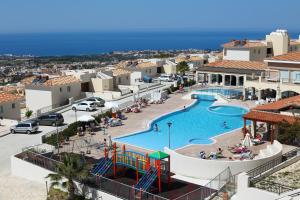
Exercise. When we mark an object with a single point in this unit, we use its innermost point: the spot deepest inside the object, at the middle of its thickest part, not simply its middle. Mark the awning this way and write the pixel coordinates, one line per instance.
(269, 117)
(159, 155)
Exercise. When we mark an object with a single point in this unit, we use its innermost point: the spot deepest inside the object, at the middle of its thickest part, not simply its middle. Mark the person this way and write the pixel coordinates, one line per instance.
(184, 108)
(104, 142)
(219, 151)
(155, 127)
(225, 124)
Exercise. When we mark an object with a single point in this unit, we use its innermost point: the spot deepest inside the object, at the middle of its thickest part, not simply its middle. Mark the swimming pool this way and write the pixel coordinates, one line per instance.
(223, 91)
(194, 125)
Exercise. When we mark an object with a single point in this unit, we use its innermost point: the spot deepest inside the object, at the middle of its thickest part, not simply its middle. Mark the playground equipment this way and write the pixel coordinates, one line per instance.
(153, 166)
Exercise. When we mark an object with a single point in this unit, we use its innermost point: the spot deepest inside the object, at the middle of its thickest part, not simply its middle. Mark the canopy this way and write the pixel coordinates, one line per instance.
(159, 155)
(247, 141)
(85, 118)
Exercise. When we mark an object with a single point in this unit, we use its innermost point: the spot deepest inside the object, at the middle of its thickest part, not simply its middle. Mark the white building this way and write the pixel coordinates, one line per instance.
(276, 43)
(49, 93)
(10, 106)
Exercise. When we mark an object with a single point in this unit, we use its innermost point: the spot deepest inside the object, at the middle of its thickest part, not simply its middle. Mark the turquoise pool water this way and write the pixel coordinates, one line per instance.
(194, 125)
(223, 91)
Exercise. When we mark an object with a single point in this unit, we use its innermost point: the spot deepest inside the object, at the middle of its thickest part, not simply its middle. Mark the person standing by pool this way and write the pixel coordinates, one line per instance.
(155, 127)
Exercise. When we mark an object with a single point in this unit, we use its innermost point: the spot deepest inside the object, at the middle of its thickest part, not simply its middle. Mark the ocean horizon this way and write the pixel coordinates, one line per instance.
(62, 44)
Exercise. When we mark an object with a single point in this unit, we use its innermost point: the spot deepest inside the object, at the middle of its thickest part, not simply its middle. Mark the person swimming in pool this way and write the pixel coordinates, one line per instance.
(155, 127)
(225, 124)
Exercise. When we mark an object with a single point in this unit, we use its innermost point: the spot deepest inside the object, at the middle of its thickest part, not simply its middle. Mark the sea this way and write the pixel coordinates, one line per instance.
(61, 44)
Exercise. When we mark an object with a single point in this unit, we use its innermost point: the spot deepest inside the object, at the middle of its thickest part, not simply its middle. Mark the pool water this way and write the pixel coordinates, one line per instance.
(228, 110)
(194, 125)
(223, 91)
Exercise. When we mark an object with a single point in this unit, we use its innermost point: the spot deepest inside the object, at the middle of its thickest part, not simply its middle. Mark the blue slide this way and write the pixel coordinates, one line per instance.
(147, 180)
(102, 167)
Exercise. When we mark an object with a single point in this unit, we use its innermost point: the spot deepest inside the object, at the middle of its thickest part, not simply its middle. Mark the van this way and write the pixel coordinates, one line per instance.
(25, 127)
(53, 119)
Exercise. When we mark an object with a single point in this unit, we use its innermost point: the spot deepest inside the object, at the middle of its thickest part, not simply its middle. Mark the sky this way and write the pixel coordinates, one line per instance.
(35, 16)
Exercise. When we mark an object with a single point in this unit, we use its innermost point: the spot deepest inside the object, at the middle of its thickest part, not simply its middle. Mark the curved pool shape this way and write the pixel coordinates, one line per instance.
(194, 125)
(227, 110)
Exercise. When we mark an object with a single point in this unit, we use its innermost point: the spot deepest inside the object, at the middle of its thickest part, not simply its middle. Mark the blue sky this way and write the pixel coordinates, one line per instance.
(18, 16)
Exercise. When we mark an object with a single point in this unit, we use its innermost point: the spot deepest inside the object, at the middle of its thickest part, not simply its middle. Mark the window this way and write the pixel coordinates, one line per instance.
(119, 79)
(13, 105)
(149, 71)
(258, 51)
(254, 51)
(60, 89)
(1, 109)
(225, 52)
(127, 77)
(69, 88)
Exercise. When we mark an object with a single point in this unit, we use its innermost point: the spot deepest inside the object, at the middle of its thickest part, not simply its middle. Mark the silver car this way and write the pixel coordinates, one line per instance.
(25, 127)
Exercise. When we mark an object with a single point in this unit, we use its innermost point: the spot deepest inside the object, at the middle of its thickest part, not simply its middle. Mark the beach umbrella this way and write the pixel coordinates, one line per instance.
(247, 141)
(86, 118)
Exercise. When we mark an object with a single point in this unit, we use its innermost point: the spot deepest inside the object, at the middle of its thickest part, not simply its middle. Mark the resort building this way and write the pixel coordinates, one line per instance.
(276, 43)
(85, 76)
(280, 80)
(169, 67)
(44, 92)
(10, 106)
(229, 72)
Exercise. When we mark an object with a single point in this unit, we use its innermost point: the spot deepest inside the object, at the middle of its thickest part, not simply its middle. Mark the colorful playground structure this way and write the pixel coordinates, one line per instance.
(153, 166)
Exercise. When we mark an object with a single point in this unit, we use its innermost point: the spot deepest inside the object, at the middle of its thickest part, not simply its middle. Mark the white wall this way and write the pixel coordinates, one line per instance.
(208, 169)
(237, 54)
(35, 173)
(36, 99)
(62, 97)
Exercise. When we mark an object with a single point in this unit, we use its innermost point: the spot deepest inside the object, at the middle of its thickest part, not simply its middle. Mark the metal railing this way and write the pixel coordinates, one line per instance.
(210, 189)
(274, 187)
(257, 172)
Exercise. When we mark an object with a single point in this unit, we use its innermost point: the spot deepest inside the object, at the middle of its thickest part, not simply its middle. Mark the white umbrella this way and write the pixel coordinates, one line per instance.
(247, 141)
(85, 118)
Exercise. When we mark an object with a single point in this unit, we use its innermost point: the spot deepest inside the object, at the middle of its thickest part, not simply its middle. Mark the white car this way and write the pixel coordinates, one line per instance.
(25, 127)
(165, 77)
(98, 101)
(85, 105)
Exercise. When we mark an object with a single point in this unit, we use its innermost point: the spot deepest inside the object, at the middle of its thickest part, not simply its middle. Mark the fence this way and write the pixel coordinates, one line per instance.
(257, 173)
(210, 189)
(274, 187)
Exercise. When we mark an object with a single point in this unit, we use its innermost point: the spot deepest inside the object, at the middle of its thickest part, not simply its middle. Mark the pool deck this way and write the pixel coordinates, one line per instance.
(137, 122)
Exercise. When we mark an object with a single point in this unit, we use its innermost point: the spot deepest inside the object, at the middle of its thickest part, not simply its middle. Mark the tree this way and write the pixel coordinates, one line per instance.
(182, 67)
(71, 167)
(289, 133)
(28, 113)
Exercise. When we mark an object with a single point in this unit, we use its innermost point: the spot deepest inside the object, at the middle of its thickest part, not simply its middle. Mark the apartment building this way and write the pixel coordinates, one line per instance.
(45, 92)
(276, 43)
(229, 72)
(10, 106)
(281, 77)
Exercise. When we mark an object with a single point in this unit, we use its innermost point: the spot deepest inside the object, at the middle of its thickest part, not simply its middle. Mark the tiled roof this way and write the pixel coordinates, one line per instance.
(28, 80)
(268, 117)
(243, 44)
(253, 65)
(294, 42)
(278, 105)
(120, 71)
(145, 65)
(7, 97)
(293, 57)
(62, 80)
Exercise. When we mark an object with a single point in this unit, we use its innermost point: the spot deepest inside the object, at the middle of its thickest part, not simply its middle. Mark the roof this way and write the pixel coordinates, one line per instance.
(244, 44)
(145, 65)
(159, 155)
(270, 117)
(292, 57)
(294, 42)
(62, 80)
(233, 64)
(120, 71)
(7, 97)
(278, 105)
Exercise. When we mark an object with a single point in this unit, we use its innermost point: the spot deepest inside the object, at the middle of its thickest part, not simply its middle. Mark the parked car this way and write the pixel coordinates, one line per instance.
(25, 127)
(97, 100)
(165, 77)
(52, 119)
(85, 105)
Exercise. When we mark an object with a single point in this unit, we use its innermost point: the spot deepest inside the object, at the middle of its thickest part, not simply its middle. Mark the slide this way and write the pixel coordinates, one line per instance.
(147, 180)
(102, 169)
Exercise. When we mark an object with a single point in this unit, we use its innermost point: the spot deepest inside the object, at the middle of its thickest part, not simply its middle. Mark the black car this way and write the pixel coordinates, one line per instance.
(51, 119)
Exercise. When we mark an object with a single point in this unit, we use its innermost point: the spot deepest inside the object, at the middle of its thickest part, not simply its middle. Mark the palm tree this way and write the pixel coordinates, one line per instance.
(71, 167)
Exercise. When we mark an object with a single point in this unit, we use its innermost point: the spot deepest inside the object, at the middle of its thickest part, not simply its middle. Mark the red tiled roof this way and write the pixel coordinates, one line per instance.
(293, 57)
(62, 80)
(243, 44)
(234, 64)
(292, 101)
(7, 97)
(268, 117)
